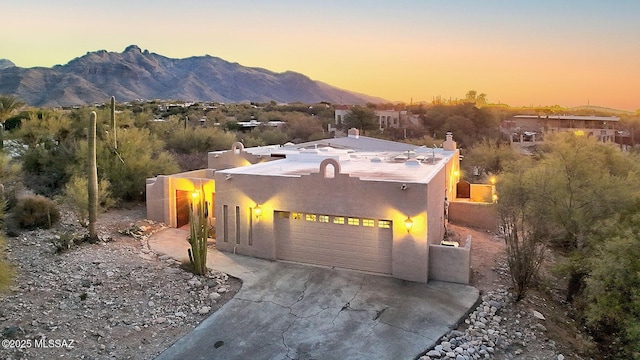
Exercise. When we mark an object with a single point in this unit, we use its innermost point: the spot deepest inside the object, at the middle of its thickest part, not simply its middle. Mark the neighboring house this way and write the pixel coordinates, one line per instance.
(532, 128)
(354, 202)
(384, 118)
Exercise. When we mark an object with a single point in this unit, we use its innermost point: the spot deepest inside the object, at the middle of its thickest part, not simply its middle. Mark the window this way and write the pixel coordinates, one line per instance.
(297, 216)
(225, 222)
(338, 220)
(384, 224)
(353, 221)
(368, 222)
(238, 225)
(283, 214)
(310, 217)
(323, 218)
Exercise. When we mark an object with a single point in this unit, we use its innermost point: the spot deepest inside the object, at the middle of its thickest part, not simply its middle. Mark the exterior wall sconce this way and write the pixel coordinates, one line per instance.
(494, 195)
(194, 199)
(257, 210)
(408, 223)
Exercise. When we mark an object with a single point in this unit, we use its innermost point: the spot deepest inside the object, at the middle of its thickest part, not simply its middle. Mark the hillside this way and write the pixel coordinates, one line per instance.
(137, 74)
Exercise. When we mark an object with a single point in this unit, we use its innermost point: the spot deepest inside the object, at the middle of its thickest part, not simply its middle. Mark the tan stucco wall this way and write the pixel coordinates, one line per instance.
(160, 193)
(480, 192)
(478, 215)
(236, 157)
(452, 264)
(342, 195)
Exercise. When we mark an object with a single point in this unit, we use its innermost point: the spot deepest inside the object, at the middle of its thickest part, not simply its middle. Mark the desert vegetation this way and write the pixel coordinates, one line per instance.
(571, 197)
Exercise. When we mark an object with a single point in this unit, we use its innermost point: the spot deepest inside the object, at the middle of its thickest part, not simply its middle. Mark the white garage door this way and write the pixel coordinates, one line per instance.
(344, 242)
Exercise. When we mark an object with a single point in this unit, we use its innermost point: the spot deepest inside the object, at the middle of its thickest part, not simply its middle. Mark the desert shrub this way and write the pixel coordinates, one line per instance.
(35, 211)
(45, 169)
(190, 140)
(66, 241)
(76, 196)
(612, 292)
(140, 155)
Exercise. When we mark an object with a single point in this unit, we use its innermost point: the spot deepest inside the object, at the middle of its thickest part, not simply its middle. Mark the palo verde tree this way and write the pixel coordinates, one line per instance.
(523, 224)
(574, 183)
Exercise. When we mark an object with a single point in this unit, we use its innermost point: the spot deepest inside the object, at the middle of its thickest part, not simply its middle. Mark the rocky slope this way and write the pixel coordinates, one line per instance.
(137, 74)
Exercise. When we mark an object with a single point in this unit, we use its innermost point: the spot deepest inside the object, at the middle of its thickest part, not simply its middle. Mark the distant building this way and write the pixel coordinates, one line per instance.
(384, 118)
(532, 128)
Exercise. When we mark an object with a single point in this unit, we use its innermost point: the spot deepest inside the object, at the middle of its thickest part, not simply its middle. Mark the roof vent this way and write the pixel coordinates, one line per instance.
(412, 163)
(376, 160)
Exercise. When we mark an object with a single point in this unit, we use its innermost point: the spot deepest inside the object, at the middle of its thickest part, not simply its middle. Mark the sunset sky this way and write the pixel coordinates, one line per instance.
(540, 52)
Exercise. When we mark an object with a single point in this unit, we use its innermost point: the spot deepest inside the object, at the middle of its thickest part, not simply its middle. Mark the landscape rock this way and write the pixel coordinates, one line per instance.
(112, 302)
(538, 315)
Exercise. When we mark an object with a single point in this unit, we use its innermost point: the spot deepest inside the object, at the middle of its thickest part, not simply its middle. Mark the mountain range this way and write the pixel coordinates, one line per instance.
(137, 74)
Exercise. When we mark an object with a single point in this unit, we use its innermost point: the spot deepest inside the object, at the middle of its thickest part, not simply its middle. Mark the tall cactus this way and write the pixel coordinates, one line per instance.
(113, 122)
(199, 234)
(92, 169)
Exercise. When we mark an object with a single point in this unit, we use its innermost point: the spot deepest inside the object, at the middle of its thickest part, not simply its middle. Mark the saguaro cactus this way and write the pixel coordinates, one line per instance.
(113, 122)
(199, 233)
(92, 178)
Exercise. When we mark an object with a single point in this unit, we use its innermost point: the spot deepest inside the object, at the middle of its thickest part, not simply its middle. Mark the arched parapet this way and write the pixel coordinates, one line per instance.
(237, 146)
(329, 168)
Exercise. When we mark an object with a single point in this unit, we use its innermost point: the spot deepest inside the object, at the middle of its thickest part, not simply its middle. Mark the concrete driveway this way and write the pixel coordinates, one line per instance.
(292, 311)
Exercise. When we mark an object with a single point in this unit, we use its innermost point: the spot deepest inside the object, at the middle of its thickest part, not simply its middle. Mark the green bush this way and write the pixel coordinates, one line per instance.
(612, 292)
(76, 196)
(35, 211)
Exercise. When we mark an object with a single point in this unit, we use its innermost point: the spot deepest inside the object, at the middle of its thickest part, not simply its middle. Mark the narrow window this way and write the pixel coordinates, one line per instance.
(297, 216)
(225, 222)
(368, 222)
(283, 214)
(323, 218)
(238, 225)
(338, 220)
(310, 217)
(353, 221)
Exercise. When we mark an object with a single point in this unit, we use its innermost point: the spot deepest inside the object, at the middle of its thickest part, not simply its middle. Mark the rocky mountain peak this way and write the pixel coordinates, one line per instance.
(137, 74)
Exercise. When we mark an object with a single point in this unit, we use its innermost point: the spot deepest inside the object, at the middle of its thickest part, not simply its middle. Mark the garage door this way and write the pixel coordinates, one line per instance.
(340, 241)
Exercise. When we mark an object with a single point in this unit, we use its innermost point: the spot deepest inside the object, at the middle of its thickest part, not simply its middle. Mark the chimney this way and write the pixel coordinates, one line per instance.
(354, 133)
(449, 144)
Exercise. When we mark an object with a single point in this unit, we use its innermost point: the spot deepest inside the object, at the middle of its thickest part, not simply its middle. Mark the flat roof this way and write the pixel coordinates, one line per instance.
(350, 143)
(569, 117)
(417, 166)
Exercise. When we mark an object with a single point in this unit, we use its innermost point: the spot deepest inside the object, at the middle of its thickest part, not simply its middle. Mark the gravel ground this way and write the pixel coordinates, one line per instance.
(110, 300)
(116, 299)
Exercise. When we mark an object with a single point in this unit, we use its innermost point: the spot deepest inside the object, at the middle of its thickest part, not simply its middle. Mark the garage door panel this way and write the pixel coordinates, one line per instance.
(350, 249)
(340, 245)
(345, 260)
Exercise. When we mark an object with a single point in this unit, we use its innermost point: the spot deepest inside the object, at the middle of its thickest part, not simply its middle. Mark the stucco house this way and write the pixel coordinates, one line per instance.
(532, 128)
(353, 202)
